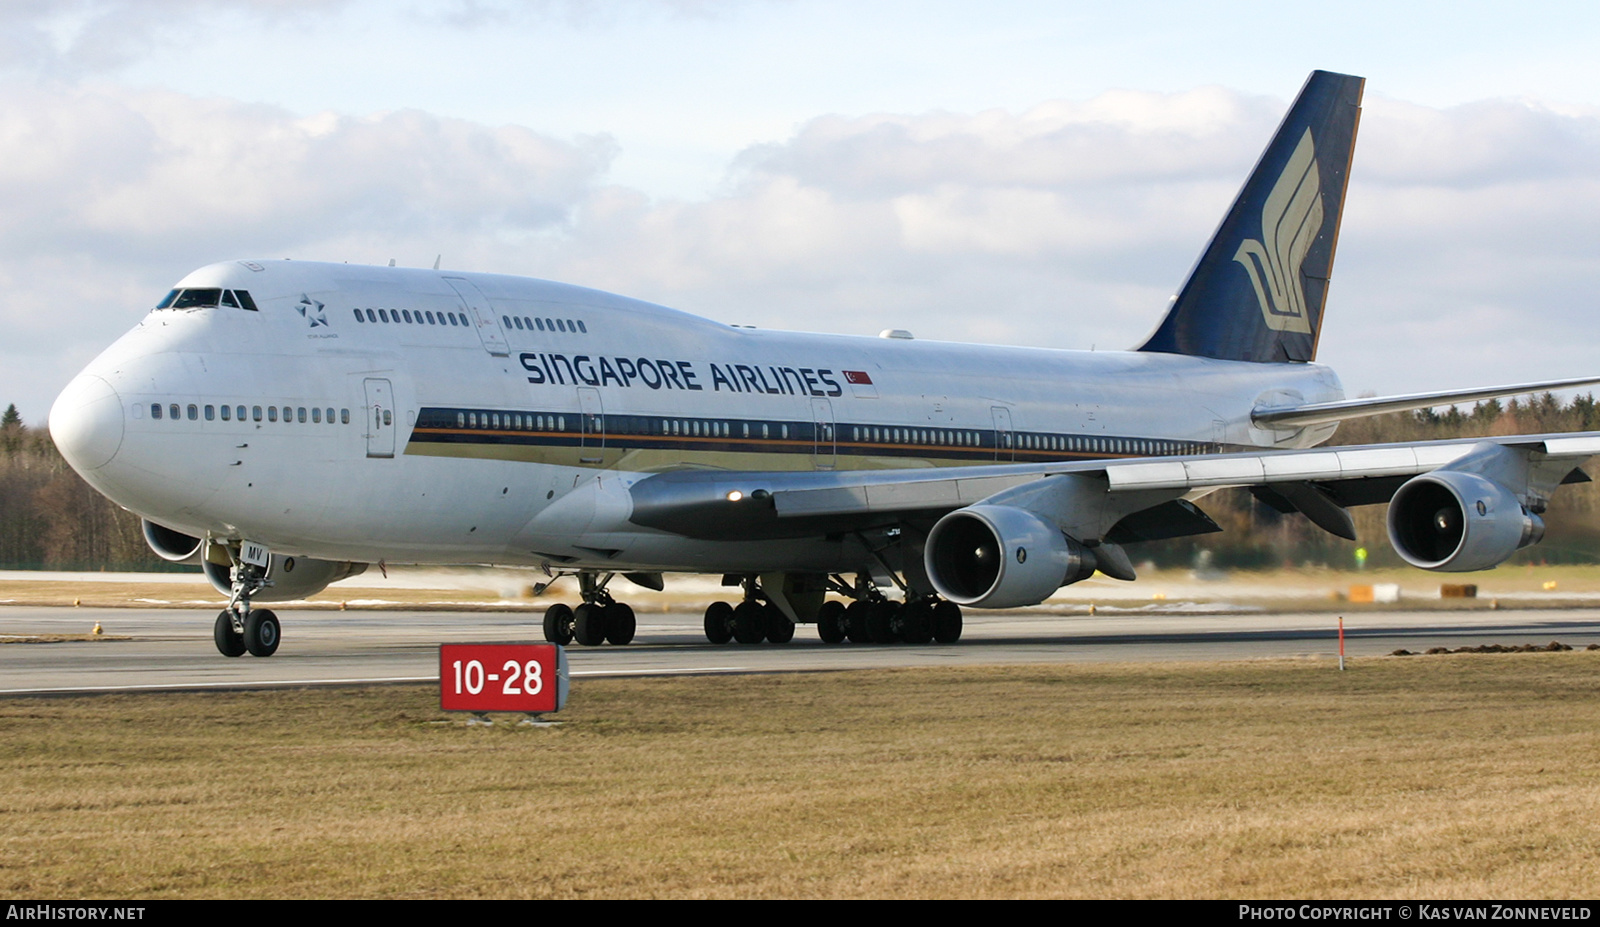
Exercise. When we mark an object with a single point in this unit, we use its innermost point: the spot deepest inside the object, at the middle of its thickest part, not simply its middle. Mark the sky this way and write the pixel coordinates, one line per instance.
(1011, 172)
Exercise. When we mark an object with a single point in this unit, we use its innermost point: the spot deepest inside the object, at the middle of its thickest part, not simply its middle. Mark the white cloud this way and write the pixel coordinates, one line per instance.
(1468, 253)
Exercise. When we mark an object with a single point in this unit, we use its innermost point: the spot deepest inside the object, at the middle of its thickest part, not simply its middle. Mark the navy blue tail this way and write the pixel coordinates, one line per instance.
(1258, 290)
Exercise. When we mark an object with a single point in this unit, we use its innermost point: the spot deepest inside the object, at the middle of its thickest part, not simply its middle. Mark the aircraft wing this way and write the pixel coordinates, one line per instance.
(1091, 499)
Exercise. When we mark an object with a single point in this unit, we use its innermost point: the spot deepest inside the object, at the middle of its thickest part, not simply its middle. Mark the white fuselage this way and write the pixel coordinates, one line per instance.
(448, 418)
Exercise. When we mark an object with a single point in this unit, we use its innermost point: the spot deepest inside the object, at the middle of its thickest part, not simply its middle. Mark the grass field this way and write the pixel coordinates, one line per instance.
(1417, 777)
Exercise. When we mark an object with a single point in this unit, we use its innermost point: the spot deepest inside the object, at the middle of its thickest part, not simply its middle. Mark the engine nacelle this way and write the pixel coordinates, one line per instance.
(170, 544)
(1456, 522)
(291, 577)
(1000, 556)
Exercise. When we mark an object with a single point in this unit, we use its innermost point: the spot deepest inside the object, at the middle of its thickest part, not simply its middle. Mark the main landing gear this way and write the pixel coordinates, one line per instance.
(870, 619)
(752, 621)
(597, 620)
(239, 628)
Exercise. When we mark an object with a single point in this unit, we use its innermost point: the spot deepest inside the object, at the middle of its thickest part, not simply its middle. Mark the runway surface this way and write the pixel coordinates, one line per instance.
(172, 648)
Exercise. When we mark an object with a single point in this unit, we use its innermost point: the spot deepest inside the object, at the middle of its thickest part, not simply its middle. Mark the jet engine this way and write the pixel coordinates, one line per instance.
(1455, 522)
(170, 544)
(1001, 556)
(289, 577)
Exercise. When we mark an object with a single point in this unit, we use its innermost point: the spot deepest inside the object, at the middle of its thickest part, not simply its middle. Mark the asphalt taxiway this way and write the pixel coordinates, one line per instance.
(171, 649)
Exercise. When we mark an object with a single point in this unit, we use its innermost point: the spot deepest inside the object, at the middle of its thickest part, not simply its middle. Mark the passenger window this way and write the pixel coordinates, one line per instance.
(582, 328)
(302, 415)
(358, 316)
(211, 413)
(372, 316)
(387, 418)
(241, 413)
(539, 323)
(316, 416)
(155, 410)
(330, 416)
(272, 413)
(173, 410)
(344, 416)
(227, 413)
(507, 320)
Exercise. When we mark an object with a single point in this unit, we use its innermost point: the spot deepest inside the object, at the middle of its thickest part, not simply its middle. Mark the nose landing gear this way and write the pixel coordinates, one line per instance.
(239, 629)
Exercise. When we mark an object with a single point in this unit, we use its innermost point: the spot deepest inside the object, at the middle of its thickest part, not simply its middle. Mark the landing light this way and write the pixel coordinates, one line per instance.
(735, 495)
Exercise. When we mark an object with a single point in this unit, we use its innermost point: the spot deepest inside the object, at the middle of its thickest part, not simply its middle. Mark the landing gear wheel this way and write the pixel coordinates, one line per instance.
(749, 622)
(620, 623)
(947, 622)
(829, 626)
(558, 624)
(855, 622)
(880, 621)
(719, 622)
(916, 622)
(780, 630)
(261, 633)
(589, 624)
(230, 643)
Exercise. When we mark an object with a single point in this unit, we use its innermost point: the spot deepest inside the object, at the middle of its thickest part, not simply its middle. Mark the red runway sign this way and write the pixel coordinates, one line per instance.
(502, 677)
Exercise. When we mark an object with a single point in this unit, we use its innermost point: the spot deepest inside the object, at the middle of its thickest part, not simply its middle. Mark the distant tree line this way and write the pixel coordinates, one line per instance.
(51, 519)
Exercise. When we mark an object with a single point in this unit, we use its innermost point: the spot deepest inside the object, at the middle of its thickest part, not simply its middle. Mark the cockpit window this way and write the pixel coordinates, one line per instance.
(197, 298)
(205, 298)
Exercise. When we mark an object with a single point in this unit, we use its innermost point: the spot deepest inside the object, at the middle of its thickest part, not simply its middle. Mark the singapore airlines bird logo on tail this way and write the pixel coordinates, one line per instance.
(1290, 221)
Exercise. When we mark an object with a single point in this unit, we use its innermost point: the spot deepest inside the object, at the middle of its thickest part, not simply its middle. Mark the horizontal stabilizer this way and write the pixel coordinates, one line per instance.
(1320, 413)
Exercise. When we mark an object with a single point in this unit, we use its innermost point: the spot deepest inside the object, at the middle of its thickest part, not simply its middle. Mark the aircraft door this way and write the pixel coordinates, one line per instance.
(824, 445)
(1004, 441)
(482, 314)
(591, 426)
(380, 418)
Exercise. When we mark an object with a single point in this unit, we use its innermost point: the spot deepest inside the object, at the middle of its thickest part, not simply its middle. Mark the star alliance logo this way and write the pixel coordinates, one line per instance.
(1290, 221)
(311, 309)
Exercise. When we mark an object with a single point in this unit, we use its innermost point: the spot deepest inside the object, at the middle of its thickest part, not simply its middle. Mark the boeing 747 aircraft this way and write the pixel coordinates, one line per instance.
(284, 424)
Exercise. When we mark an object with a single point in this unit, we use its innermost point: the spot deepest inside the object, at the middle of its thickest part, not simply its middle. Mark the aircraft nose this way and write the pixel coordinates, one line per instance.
(86, 422)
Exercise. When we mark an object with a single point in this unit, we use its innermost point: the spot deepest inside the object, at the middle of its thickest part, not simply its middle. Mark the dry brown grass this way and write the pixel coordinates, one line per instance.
(1446, 776)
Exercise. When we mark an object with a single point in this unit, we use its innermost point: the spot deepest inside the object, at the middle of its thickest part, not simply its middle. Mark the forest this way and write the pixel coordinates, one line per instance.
(51, 519)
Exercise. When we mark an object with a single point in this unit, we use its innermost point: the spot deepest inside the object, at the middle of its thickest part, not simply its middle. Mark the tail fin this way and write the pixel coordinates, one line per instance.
(1258, 290)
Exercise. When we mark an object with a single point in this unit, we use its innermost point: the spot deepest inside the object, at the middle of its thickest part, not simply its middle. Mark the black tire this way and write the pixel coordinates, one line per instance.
(916, 622)
(749, 622)
(830, 625)
(230, 643)
(719, 622)
(262, 633)
(880, 621)
(589, 624)
(620, 623)
(780, 630)
(855, 622)
(947, 622)
(558, 624)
